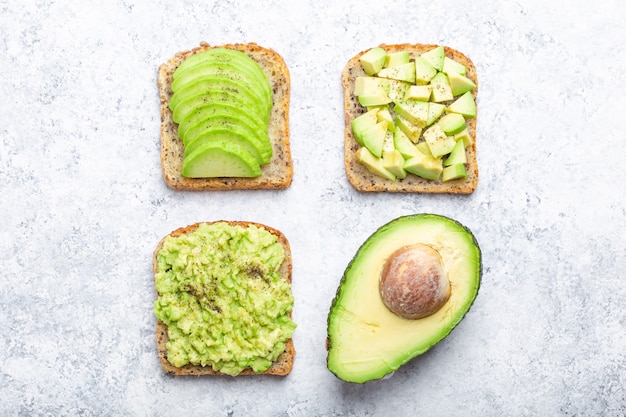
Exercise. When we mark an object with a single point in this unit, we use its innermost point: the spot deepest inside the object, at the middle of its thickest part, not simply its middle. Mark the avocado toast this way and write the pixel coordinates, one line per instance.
(276, 169)
(366, 172)
(238, 289)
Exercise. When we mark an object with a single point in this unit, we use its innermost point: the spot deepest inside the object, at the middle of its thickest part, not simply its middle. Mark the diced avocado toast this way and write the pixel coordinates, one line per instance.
(410, 120)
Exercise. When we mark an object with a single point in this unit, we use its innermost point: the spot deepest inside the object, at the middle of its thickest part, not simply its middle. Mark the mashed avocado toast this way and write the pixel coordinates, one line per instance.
(224, 300)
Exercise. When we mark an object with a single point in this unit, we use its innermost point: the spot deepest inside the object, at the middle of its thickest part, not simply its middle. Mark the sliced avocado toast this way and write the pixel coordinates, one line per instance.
(366, 341)
(225, 119)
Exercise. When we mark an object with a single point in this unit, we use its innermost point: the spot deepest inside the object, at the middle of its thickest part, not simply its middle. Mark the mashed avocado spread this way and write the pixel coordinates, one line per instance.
(223, 298)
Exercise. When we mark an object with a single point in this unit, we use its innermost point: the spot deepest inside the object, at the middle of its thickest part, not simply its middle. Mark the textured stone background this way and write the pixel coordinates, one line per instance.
(83, 205)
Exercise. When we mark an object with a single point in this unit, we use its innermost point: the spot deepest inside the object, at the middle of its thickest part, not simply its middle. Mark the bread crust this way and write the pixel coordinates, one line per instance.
(362, 179)
(278, 173)
(282, 365)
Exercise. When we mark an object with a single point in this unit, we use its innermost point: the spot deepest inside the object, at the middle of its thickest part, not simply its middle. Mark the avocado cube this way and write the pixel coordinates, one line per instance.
(414, 111)
(394, 163)
(460, 84)
(370, 86)
(397, 58)
(435, 110)
(441, 88)
(374, 100)
(454, 172)
(404, 72)
(362, 123)
(411, 130)
(384, 115)
(452, 123)
(374, 138)
(435, 57)
(397, 89)
(439, 143)
(373, 60)
(465, 136)
(424, 71)
(464, 105)
(418, 92)
(423, 148)
(424, 166)
(404, 145)
(457, 156)
(374, 164)
(451, 66)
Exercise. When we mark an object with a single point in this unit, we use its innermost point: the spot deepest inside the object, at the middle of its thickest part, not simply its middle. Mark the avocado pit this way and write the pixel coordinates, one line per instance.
(414, 283)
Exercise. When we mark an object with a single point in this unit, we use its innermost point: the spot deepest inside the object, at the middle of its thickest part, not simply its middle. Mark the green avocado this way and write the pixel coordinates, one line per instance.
(239, 81)
(214, 114)
(220, 158)
(220, 60)
(225, 129)
(366, 341)
(226, 94)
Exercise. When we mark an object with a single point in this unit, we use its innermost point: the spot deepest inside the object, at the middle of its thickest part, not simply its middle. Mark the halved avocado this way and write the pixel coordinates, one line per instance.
(366, 341)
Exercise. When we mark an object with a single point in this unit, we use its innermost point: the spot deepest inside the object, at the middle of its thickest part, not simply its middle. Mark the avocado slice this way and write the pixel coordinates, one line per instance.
(215, 76)
(218, 94)
(220, 159)
(366, 341)
(212, 110)
(221, 59)
(223, 127)
(218, 55)
(258, 81)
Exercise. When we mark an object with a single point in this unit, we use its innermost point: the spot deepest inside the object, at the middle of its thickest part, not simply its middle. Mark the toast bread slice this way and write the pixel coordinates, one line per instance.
(278, 173)
(362, 179)
(281, 366)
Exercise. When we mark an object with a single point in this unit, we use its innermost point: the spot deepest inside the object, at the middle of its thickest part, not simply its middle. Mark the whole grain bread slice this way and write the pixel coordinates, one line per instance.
(278, 173)
(281, 366)
(362, 179)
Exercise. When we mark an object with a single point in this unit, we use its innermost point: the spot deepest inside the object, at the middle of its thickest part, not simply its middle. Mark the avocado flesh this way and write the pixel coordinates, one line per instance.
(219, 55)
(209, 81)
(224, 131)
(215, 110)
(220, 159)
(185, 105)
(257, 80)
(366, 341)
(219, 122)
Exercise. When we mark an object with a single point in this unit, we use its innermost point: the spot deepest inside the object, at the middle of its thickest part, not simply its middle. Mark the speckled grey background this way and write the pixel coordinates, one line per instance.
(84, 204)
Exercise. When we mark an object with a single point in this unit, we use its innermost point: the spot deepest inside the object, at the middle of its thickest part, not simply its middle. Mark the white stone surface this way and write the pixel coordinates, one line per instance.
(84, 204)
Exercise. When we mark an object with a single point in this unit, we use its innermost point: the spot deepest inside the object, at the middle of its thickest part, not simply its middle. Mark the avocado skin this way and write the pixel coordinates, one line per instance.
(355, 258)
